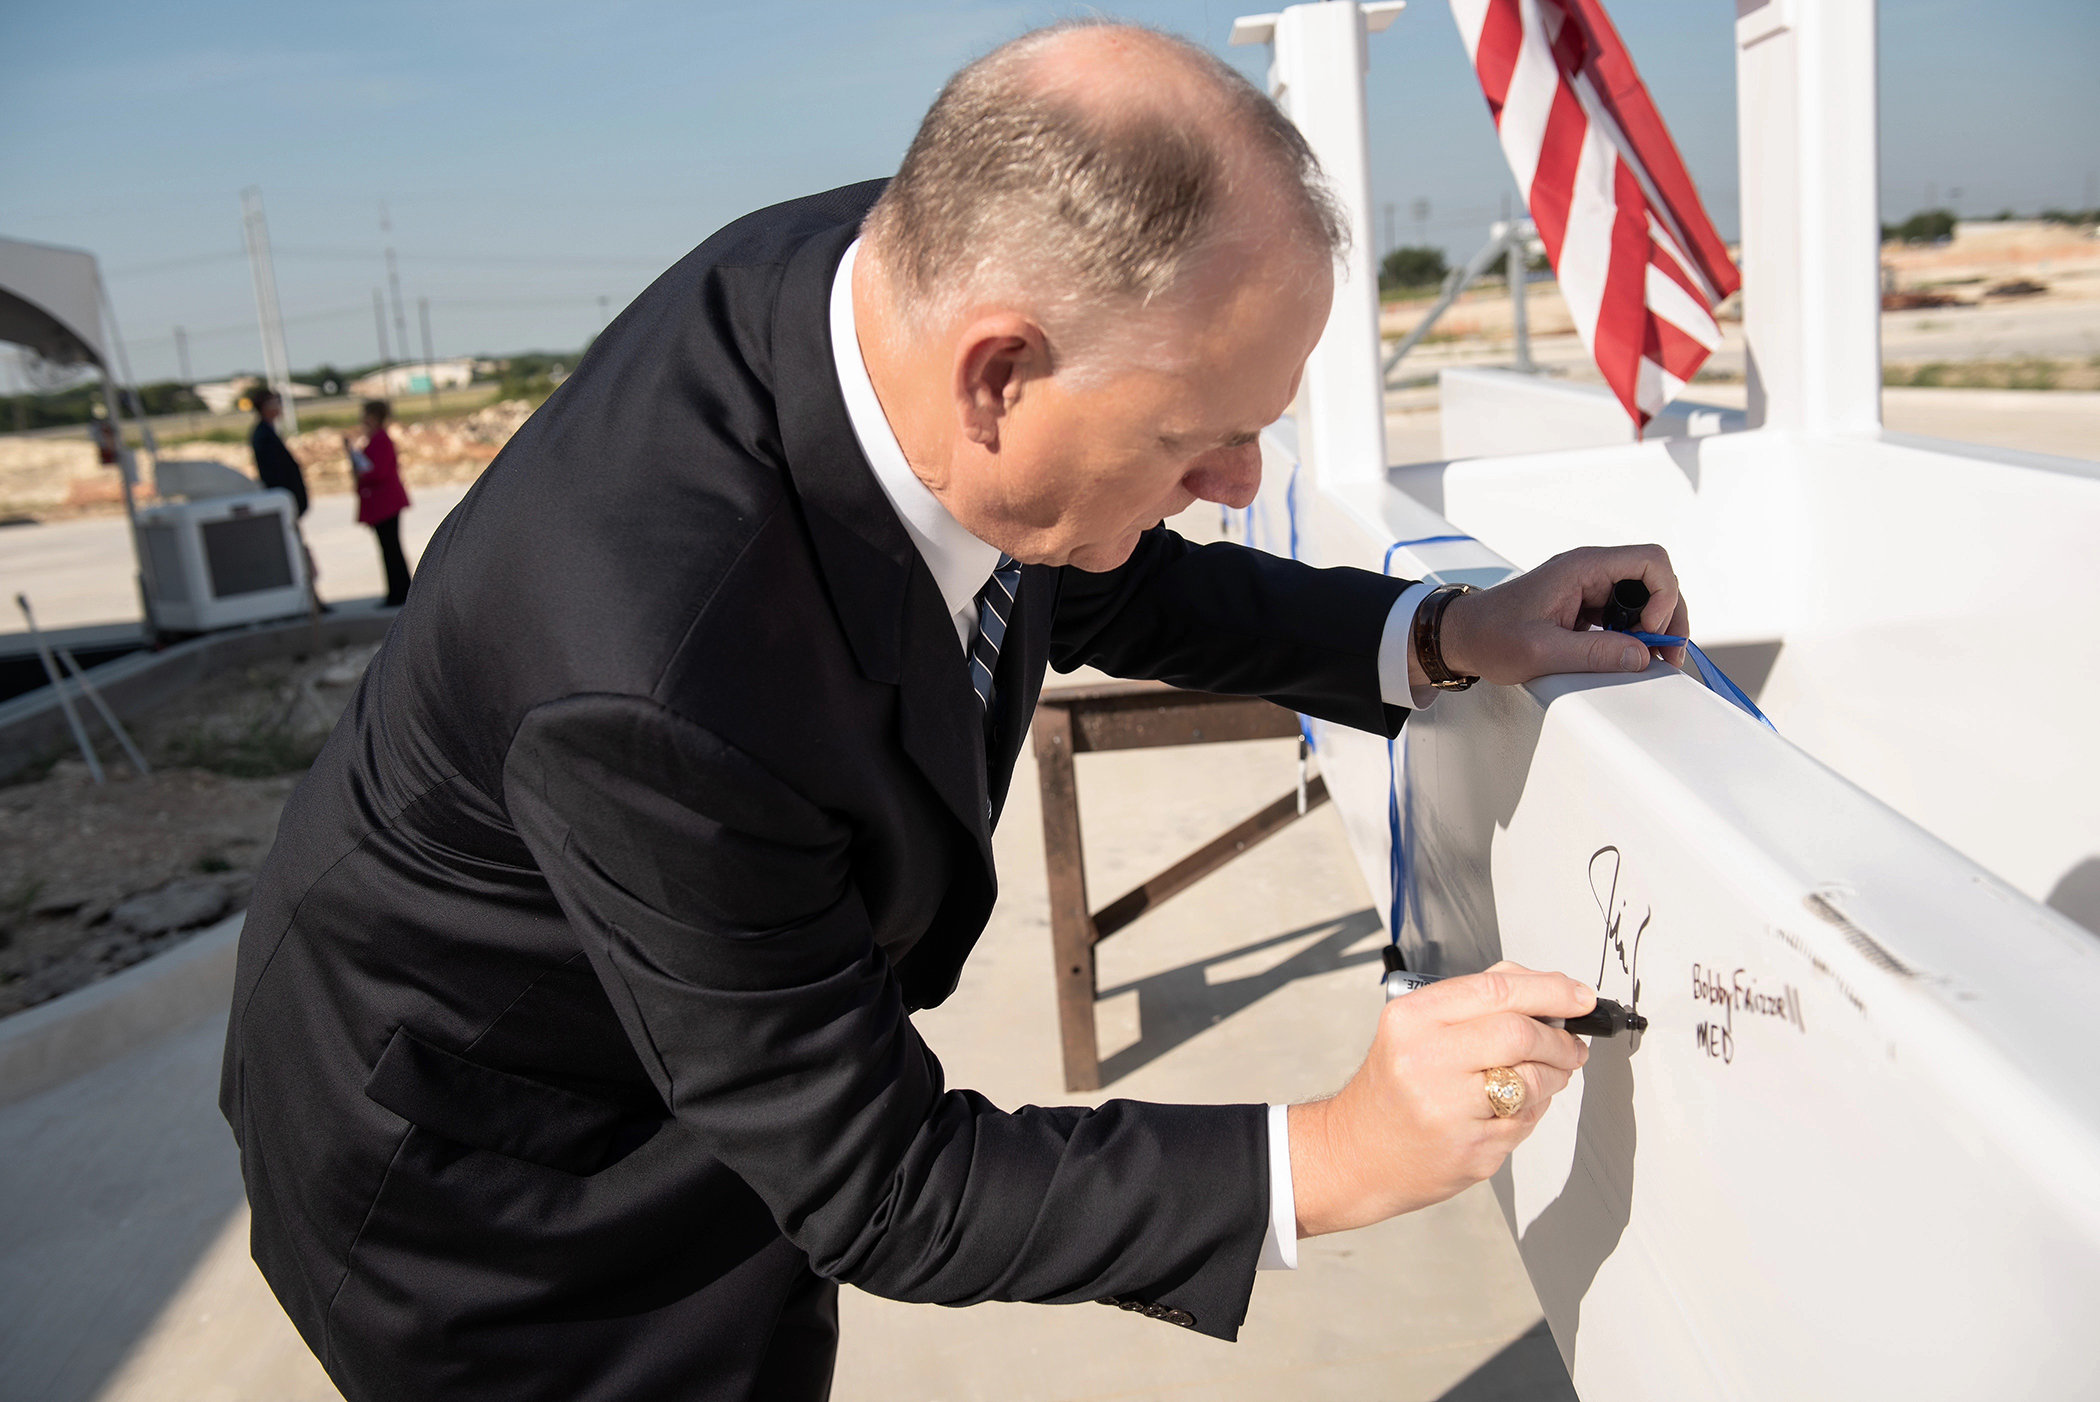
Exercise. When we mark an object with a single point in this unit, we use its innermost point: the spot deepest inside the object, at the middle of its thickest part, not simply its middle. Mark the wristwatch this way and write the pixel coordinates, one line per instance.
(1429, 638)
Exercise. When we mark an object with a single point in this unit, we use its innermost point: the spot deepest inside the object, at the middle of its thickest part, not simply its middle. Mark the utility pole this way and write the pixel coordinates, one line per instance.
(379, 325)
(429, 362)
(182, 360)
(1519, 274)
(1392, 239)
(276, 365)
(393, 282)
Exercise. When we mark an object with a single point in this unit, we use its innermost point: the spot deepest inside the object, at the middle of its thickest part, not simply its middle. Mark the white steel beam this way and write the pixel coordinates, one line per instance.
(1811, 215)
(1320, 57)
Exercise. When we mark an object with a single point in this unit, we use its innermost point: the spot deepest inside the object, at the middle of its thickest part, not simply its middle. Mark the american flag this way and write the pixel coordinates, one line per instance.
(1639, 262)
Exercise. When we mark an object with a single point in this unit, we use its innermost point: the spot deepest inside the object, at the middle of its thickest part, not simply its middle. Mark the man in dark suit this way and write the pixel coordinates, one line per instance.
(274, 464)
(570, 1053)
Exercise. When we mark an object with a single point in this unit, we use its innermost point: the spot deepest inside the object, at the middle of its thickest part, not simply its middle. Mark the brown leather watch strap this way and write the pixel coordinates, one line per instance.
(1429, 638)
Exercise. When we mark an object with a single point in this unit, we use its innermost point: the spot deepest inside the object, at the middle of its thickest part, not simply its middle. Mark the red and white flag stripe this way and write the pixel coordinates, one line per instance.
(1639, 262)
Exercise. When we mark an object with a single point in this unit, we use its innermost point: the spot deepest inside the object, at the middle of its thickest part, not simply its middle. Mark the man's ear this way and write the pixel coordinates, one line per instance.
(995, 358)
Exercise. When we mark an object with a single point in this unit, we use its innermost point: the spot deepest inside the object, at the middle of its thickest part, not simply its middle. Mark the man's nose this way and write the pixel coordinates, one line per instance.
(1230, 476)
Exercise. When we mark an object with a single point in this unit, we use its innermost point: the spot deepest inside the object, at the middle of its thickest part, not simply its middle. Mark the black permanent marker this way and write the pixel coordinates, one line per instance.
(1607, 1019)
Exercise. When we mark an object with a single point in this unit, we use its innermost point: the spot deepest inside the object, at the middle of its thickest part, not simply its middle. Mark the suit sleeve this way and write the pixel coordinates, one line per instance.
(1229, 619)
(720, 910)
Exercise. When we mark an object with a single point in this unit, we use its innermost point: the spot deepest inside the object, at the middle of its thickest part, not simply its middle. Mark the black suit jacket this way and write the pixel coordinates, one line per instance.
(570, 1034)
(274, 464)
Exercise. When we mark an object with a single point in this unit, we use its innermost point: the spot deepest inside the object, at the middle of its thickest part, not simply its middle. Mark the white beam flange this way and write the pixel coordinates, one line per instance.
(1253, 29)
(1380, 14)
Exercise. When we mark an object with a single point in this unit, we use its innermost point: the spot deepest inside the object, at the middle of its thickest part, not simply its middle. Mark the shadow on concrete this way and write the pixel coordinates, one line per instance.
(115, 1184)
(1176, 1005)
(1528, 1370)
(1568, 1243)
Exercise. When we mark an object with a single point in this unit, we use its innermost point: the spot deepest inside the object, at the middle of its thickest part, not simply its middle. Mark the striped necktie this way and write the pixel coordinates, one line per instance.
(995, 604)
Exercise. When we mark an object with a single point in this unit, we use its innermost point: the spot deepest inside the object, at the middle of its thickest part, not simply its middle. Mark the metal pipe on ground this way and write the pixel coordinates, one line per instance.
(109, 717)
(1511, 239)
(58, 687)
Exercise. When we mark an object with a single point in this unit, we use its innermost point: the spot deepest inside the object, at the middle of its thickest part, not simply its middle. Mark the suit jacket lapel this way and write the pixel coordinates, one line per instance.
(884, 595)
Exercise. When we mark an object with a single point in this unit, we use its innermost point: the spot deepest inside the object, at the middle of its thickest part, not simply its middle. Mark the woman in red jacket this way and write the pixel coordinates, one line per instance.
(381, 498)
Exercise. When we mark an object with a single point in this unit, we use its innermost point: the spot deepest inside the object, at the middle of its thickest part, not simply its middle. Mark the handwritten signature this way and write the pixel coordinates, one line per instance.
(1604, 888)
(1741, 989)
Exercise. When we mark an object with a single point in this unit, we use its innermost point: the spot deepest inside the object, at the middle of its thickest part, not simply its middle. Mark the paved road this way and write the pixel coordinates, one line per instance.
(2057, 328)
(81, 572)
(2060, 329)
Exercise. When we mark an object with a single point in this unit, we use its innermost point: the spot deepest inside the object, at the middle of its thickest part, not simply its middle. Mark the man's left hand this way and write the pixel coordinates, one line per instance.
(1538, 623)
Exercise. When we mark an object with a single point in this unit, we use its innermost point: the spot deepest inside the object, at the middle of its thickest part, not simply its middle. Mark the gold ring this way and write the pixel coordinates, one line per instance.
(1505, 1091)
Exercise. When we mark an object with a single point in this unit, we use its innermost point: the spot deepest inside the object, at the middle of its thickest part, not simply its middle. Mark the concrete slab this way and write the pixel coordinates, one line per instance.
(123, 1242)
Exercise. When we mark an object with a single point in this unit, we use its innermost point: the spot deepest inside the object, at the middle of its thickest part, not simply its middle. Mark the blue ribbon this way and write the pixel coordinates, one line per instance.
(1396, 849)
(1716, 680)
(1290, 509)
(1395, 770)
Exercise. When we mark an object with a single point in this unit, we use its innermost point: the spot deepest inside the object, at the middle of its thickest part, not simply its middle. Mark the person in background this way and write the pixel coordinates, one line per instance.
(276, 467)
(274, 464)
(381, 497)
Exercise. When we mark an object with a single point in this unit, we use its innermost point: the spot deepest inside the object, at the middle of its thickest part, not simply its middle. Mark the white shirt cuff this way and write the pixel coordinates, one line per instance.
(1279, 1248)
(1397, 646)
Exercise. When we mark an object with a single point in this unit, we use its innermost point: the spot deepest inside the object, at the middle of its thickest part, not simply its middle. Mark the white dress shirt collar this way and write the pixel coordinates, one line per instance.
(959, 562)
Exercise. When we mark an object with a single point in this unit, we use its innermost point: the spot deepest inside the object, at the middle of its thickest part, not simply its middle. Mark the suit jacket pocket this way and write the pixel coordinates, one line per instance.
(484, 1108)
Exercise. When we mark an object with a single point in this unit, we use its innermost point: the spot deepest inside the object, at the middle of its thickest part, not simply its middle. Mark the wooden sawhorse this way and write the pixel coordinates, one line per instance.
(1074, 720)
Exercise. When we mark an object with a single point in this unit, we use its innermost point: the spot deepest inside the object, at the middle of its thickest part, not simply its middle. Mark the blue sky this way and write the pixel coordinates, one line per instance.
(536, 157)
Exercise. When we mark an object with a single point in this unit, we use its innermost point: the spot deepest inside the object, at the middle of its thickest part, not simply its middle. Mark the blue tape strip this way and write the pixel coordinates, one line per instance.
(1290, 507)
(1716, 680)
(1418, 540)
(1396, 771)
(1397, 850)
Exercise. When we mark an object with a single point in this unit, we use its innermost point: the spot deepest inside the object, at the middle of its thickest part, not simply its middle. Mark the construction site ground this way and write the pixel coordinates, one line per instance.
(96, 877)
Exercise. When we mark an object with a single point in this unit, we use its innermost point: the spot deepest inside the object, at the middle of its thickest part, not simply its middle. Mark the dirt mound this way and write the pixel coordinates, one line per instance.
(94, 878)
(54, 478)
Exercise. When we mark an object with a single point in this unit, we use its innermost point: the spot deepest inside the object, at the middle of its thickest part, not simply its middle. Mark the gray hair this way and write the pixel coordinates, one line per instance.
(1015, 189)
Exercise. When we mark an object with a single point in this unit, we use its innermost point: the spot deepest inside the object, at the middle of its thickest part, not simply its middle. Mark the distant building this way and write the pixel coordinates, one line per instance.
(415, 378)
(224, 396)
(220, 396)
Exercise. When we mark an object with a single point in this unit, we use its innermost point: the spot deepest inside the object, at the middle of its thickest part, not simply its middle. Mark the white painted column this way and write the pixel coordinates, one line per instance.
(1321, 56)
(1811, 213)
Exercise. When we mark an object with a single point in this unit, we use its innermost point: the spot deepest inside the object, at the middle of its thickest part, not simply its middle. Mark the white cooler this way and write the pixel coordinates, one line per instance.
(223, 561)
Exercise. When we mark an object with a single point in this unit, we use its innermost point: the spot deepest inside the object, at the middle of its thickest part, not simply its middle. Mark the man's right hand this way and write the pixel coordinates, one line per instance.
(1414, 1125)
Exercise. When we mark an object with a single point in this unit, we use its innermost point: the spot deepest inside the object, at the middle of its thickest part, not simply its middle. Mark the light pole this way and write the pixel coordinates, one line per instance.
(276, 364)
(379, 326)
(429, 362)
